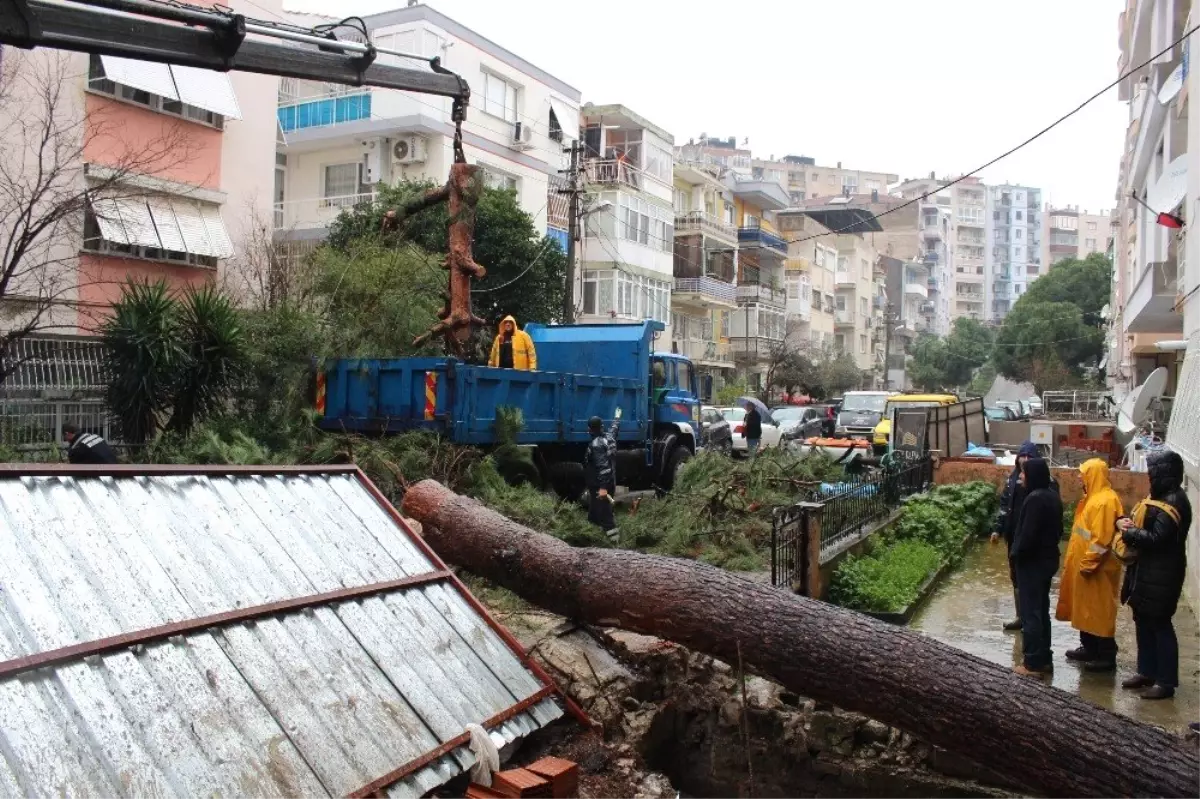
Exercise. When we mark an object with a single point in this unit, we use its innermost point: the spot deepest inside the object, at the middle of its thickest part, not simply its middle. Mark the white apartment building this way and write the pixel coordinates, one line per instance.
(806, 180)
(936, 228)
(969, 241)
(628, 250)
(1014, 246)
(339, 142)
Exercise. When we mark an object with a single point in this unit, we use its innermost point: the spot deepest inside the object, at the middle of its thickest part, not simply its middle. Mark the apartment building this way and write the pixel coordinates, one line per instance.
(173, 157)
(725, 153)
(1061, 238)
(758, 325)
(340, 142)
(934, 248)
(705, 289)
(809, 276)
(1094, 232)
(1150, 258)
(1014, 248)
(627, 256)
(805, 180)
(853, 292)
(969, 241)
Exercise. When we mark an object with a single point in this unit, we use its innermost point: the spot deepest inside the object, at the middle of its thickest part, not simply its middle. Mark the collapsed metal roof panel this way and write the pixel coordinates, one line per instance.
(314, 645)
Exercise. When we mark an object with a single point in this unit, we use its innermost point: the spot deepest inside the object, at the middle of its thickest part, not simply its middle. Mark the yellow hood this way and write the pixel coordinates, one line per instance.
(1095, 476)
(510, 318)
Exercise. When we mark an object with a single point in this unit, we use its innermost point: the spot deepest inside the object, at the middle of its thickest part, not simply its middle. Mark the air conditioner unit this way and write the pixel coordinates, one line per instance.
(522, 136)
(409, 150)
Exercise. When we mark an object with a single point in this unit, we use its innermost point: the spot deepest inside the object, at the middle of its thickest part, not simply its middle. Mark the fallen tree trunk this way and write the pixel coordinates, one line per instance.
(1052, 741)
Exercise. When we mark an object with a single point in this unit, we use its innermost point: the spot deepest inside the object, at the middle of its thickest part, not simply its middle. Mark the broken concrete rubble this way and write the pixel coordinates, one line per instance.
(674, 720)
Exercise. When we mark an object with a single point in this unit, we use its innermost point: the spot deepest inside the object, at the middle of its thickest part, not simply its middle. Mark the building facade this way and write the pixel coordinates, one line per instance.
(804, 179)
(969, 201)
(341, 142)
(935, 250)
(627, 255)
(1014, 249)
(1061, 240)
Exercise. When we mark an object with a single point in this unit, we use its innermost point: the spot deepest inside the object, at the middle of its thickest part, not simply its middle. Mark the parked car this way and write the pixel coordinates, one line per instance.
(715, 432)
(1014, 405)
(1035, 405)
(798, 422)
(828, 412)
(1000, 414)
(771, 436)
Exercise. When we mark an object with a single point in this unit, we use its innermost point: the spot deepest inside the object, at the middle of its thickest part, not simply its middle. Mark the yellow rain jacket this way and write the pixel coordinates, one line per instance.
(1091, 580)
(524, 355)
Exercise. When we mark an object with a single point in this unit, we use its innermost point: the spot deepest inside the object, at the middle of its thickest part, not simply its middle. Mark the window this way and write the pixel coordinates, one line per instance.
(841, 302)
(98, 82)
(1019, 216)
(1016, 252)
(1091, 225)
(862, 344)
(865, 265)
(724, 324)
(658, 163)
(591, 285)
(157, 228)
(792, 283)
(343, 186)
(499, 97)
(850, 183)
(646, 223)
(751, 221)
(872, 185)
(862, 306)
(495, 179)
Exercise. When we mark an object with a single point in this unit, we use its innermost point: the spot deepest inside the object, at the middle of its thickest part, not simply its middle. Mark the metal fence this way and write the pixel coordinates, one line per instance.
(839, 515)
(34, 423)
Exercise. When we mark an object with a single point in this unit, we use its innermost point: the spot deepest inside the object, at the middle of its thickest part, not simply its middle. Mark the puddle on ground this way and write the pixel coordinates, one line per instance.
(970, 608)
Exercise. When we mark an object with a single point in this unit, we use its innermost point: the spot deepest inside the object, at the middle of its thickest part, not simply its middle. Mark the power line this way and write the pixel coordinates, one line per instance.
(1020, 146)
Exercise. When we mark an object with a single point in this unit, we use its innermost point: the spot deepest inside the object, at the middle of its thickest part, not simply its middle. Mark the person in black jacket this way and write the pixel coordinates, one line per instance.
(1006, 520)
(753, 431)
(600, 473)
(1033, 556)
(1155, 540)
(86, 447)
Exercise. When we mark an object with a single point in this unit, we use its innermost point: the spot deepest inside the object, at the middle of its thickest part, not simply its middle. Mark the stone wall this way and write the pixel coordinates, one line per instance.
(1130, 486)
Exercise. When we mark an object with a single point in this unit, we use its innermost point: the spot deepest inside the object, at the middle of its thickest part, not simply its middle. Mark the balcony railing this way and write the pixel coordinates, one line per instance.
(916, 288)
(760, 346)
(707, 288)
(757, 292)
(932, 233)
(694, 221)
(845, 279)
(317, 212)
(844, 317)
(757, 236)
(701, 350)
(323, 110)
(612, 172)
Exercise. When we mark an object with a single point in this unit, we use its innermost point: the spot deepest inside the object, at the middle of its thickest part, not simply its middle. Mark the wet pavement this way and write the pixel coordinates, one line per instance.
(971, 606)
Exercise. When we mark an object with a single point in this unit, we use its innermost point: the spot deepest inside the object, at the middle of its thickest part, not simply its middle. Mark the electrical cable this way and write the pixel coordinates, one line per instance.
(1009, 152)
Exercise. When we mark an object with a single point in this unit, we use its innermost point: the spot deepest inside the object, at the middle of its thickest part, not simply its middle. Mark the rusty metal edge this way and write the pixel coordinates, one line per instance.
(74, 652)
(376, 786)
(528, 662)
(164, 470)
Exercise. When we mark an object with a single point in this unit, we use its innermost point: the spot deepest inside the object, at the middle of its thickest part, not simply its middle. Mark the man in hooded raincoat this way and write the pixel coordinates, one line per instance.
(1091, 580)
(512, 347)
(1011, 499)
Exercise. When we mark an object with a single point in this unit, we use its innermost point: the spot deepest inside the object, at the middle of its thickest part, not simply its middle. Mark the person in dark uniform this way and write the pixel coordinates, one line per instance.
(86, 447)
(1011, 499)
(600, 472)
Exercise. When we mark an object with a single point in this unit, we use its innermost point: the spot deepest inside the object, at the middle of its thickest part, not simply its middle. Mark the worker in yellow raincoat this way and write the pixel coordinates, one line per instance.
(1091, 580)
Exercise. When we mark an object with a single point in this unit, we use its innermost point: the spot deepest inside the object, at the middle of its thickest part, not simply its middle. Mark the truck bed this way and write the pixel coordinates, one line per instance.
(459, 401)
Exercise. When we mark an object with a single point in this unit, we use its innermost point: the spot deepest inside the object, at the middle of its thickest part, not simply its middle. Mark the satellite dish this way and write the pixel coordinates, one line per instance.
(1170, 189)
(1171, 86)
(1105, 311)
(1133, 409)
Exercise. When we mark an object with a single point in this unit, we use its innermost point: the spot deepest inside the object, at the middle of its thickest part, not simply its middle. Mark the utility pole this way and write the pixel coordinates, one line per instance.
(888, 321)
(575, 189)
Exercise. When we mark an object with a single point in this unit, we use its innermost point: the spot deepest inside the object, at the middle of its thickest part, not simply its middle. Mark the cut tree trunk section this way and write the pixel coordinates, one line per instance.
(1053, 742)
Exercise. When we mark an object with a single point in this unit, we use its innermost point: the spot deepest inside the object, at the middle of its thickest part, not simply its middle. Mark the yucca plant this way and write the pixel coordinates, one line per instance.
(143, 352)
(214, 357)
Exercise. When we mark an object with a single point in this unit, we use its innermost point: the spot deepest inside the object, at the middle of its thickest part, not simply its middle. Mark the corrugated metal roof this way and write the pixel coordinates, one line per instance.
(319, 701)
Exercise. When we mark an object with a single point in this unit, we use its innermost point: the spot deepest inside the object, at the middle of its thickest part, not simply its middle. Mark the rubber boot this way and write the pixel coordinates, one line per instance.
(1015, 624)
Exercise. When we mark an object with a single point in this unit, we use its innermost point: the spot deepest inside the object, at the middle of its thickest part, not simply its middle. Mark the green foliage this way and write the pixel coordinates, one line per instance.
(927, 367)
(506, 243)
(167, 358)
(941, 364)
(728, 394)
(143, 354)
(927, 536)
(834, 374)
(1084, 283)
(981, 382)
(1048, 344)
(214, 356)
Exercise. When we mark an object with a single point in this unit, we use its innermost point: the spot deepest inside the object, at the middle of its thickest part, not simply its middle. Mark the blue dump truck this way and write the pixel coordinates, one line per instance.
(583, 371)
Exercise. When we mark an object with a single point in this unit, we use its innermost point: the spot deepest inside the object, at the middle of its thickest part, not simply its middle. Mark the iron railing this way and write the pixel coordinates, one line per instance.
(35, 423)
(838, 514)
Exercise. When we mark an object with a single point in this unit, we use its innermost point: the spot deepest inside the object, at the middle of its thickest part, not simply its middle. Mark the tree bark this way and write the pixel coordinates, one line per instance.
(1052, 741)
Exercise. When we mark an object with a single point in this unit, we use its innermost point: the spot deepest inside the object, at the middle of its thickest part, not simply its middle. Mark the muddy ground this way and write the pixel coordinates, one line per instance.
(677, 721)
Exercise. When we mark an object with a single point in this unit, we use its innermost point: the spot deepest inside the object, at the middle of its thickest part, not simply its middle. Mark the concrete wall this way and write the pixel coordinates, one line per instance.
(1130, 486)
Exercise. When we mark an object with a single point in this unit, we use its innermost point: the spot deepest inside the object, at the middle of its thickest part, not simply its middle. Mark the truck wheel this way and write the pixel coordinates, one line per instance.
(675, 463)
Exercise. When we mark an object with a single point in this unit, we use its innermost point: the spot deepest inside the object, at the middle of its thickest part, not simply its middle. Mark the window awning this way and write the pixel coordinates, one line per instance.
(149, 76)
(568, 119)
(204, 88)
(139, 226)
(164, 223)
(108, 219)
(203, 231)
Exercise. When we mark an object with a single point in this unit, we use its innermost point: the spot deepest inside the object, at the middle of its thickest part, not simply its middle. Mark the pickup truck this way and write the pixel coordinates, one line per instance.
(583, 371)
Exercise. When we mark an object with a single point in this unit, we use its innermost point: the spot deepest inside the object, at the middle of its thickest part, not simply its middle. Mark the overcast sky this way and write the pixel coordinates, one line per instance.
(904, 86)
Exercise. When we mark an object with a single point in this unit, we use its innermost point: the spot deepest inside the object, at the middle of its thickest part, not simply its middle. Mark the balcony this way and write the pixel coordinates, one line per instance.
(715, 353)
(844, 317)
(322, 109)
(706, 291)
(916, 289)
(758, 292)
(930, 258)
(932, 234)
(318, 212)
(932, 284)
(613, 172)
(1151, 305)
(758, 237)
(755, 347)
(700, 222)
(845, 280)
